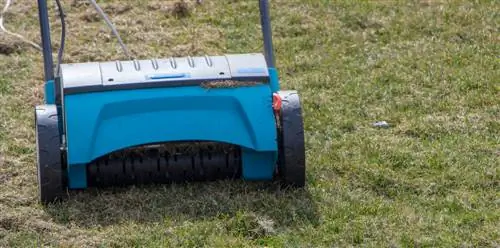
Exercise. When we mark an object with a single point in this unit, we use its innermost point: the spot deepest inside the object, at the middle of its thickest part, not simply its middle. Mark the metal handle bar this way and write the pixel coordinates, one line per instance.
(48, 62)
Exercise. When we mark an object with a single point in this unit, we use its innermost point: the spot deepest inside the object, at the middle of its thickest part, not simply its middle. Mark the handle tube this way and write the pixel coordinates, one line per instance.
(48, 63)
(265, 21)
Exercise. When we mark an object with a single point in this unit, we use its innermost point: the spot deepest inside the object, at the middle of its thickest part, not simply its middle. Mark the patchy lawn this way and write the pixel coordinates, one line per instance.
(431, 69)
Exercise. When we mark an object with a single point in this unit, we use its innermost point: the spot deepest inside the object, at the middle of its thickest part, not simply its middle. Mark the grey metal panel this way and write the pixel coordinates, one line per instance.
(147, 73)
(125, 72)
(81, 74)
(163, 70)
(213, 67)
(247, 65)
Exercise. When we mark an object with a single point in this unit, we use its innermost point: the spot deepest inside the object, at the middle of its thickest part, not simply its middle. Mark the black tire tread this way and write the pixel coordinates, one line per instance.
(50, 169)
(291, 161)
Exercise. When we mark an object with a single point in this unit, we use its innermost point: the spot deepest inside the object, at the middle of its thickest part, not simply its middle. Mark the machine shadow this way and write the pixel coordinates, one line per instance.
(181, 202)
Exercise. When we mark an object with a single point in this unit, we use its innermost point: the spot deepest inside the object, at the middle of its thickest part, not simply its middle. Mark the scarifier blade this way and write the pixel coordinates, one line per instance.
(168, 163)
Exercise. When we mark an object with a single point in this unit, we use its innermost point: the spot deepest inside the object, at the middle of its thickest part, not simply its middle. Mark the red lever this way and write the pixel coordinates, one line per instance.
(277, 102)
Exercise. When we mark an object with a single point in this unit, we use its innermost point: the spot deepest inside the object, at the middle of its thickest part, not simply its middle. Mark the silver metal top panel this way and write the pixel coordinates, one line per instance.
(81, 74)
(120, 73)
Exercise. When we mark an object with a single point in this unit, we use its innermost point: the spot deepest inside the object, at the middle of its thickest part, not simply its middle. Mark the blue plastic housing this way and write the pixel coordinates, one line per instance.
(49, 95)
(103, 122)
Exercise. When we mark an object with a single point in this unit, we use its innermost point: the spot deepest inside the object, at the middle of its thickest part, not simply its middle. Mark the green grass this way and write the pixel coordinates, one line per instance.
(429, 68)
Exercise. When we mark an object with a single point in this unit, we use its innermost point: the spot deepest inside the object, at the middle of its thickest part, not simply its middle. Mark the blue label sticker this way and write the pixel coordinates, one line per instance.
(168, 76)
(252, 70)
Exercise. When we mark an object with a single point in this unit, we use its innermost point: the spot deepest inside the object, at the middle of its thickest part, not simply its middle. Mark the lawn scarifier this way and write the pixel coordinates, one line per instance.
(165, 120)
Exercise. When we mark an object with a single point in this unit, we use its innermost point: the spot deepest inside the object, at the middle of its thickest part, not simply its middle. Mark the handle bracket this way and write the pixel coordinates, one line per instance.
(265, 21)
(48, 63)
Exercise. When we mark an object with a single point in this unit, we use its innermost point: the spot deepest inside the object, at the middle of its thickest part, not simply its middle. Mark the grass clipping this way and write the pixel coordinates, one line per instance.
(228, 84)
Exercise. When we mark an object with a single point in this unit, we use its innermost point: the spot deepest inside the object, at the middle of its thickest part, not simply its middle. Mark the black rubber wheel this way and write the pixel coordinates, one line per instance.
(291, 159)
(51, 183)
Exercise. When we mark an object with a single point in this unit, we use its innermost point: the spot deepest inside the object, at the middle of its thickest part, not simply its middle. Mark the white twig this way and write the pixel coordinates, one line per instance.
(4, 30)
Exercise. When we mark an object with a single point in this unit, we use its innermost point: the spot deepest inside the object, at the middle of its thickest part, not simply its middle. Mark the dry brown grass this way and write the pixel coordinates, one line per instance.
(429, 68)
(228, 84)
